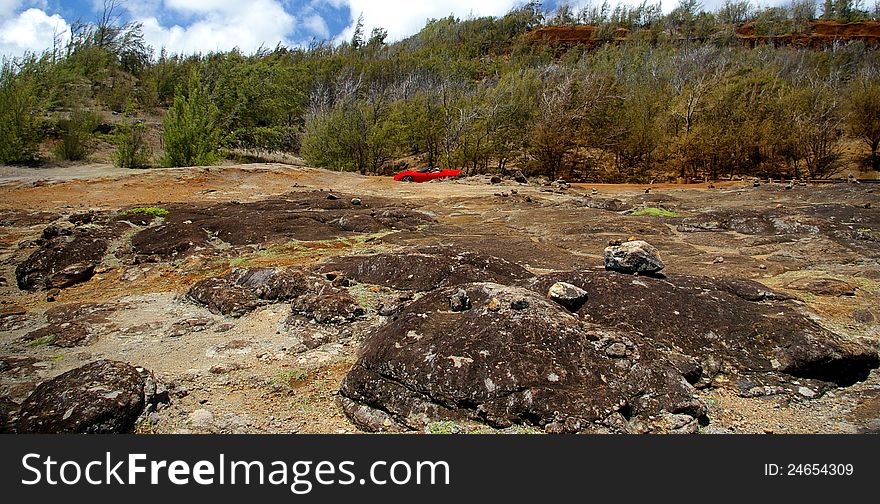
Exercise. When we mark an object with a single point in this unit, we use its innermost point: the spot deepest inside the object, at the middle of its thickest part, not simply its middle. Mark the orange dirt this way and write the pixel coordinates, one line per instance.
(821, 34)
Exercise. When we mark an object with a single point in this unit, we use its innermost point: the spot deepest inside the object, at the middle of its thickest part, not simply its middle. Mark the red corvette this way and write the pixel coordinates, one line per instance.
(424, 174)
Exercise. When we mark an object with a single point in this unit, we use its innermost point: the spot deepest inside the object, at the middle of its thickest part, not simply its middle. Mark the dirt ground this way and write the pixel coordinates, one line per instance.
(819, 244)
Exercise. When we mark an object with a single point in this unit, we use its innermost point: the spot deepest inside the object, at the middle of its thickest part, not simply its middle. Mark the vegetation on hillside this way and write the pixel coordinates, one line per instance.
(679, 97)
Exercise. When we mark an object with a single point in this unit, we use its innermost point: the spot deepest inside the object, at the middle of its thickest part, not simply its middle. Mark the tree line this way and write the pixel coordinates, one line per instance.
(679, 98)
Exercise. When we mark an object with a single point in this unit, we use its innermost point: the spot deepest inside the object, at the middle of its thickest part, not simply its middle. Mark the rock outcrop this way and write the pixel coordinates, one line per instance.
(102, 397)
(243, 290)
(427, 268)
(67, 256)
(729, 326)
(512, 357)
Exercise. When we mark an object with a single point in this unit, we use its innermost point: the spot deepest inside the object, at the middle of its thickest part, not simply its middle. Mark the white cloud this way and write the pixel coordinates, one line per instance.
(8, 8)
(403, 18)
(221, 25)
(30, 31)
(315, 24)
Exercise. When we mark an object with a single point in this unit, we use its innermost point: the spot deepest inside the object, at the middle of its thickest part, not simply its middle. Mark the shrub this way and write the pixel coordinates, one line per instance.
(654, 212)
(20, 116)
(132, 150)
(154, 211)
(76, 135)
(190, 132)
(273, 139)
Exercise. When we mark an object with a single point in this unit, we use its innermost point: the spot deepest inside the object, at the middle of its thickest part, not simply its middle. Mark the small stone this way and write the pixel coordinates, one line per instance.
(201, 418)
(570, 296)
(863, 316)
(616, 350)
(355, 201)
(718, 260)
(494, 304)
(519, 304)
(806, 392)
(459, 301)
(495, 179)
(332, 197)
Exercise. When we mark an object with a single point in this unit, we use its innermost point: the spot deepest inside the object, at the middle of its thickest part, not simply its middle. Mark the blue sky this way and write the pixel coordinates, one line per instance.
(191, 26)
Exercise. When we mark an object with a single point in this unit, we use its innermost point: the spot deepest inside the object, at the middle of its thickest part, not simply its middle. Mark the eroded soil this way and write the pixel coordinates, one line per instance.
(84, 280)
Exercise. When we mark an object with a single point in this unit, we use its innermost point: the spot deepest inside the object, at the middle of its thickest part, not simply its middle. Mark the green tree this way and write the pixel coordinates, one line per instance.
(132, 149)
(21, 112)
(190, 130)
(863, 115)
(76, 135)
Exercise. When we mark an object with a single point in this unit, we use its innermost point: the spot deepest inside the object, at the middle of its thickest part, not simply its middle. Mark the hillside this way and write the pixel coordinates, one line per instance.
(677, 97)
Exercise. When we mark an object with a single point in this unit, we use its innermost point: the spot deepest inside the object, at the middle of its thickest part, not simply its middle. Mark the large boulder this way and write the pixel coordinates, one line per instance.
(724, 326)
(635, 256)
(67, 256)
(102, 397)
(511, 356)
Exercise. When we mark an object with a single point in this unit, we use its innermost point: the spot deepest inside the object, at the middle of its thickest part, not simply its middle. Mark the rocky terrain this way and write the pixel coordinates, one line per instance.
(268, 298)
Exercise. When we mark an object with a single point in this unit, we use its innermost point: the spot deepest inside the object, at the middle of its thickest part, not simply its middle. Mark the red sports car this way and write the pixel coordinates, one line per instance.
(424, 174)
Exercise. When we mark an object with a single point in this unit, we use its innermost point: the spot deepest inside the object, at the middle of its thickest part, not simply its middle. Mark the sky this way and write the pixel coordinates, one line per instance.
(202, 26)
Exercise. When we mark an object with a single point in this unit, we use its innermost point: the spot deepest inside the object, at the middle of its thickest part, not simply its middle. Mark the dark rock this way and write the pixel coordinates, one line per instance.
(360, 223)
(633, 257)
(519, 177)
(332, 197)
(189, 326)
(78, 219)
(426, 268)
(568, 295)
(748, 330)
(539, 366)
(519, 304)
(74, 324)
(459, 301)
(355, 201)
(8, 408)
(243, 290)
(63, 259)
(822, 286)
(495, 179)
(99, 398)
(276, 284)
(750, 290)
(103, 128)
(387, 309)
(222, 297)
(863, 316)
(331, 307)
(305, 216)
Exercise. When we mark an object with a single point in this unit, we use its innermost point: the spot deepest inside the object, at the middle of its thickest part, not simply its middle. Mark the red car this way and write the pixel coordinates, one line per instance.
(424, 174)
